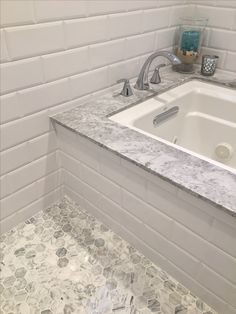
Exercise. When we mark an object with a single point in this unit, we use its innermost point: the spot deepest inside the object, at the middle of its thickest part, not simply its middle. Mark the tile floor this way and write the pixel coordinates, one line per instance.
(63, 260)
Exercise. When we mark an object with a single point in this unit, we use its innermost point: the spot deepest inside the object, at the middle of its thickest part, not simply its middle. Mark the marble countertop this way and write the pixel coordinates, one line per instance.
(194, 175)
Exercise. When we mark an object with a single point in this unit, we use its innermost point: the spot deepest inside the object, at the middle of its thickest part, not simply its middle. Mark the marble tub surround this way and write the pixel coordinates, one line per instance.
(63, 260)
(196, 176)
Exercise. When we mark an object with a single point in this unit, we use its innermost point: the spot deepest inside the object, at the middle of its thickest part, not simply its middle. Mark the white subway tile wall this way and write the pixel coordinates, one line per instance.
(53, 52)
(191, 239)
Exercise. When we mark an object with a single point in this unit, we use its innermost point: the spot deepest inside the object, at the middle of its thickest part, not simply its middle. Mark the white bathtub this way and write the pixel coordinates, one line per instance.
(205, 124)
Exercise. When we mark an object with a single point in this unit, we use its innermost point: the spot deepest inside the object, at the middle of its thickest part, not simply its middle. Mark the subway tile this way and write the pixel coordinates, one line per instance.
(147, 214)
(106, 53)
(15, 12)
(41, 97)
(101, 184)
(4, 56)
(20, 74)
(31, 172)
(9, 107)
(222, 39)
(48, 183)
(132, 5)
(86, 31)
(70, 164)
(155, 19)
(59, 10)
(207, 253)
(187, 214)
(126, 69)
(223, 236)
(28, 41)
(217, 284)
(105, 7)
(123, 25)
(165, 38)
(73, 182)
(66, 63)
(22, 130)
(214, 16)
(18, 200)
(88, 82)
(139, 45)
(230, 61)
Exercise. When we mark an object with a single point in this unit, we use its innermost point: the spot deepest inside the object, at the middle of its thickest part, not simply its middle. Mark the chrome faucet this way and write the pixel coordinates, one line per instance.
(142, 81)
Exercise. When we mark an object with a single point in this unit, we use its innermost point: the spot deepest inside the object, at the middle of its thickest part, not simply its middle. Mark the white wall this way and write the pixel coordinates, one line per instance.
(221, 30)
(52, 53)
(193, 241)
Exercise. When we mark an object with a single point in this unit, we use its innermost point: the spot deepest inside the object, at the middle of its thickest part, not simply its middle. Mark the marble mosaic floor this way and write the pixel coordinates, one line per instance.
(63, 260)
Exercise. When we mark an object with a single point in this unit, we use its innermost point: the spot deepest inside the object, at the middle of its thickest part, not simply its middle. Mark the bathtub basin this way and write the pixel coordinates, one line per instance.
(196, 117)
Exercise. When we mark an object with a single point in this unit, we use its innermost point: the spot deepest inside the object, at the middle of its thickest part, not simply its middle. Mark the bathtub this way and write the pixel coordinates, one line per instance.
(196, 117)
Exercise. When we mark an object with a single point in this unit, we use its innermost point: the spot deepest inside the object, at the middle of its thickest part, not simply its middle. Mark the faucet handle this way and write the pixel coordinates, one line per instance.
(127, 90)
(156, 79)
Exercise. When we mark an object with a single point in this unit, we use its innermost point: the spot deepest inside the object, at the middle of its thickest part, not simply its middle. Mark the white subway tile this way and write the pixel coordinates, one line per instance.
(73, 182)
(165, 38)
(214, 16)
(18, 200)
(65, 63)
(15, 12)
(31, 172)
(128, 69)
(188, 215)
(48, 184)
(70, 164)
(119, 215)
(14, 158)
(41, 97)
(230, 61)
(20, 74)
(139, 45)
(217, 284)
(140, 5)
(101, 184)
(106, 53)
(42, 145)
(4, 56)
(88, 82)
(222, 39)
(223, 236)
(86, 31)
(59, 10)
(147, 214)
(28, 41)
(155, 19)
(9, 108)
(122, 25)
(208, 254)
(24, 153)
(105, 7)
(22, 130)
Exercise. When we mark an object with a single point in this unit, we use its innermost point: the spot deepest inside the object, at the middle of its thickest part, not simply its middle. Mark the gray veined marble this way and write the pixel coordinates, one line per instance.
(64, 261)
(201, 178)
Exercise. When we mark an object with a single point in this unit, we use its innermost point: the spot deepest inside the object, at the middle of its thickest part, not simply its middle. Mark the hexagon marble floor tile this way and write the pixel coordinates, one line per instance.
(63, 260)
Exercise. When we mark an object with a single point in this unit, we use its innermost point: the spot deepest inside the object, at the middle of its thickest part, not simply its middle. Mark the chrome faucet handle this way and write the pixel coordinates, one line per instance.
(127, 90)
(156, 79)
